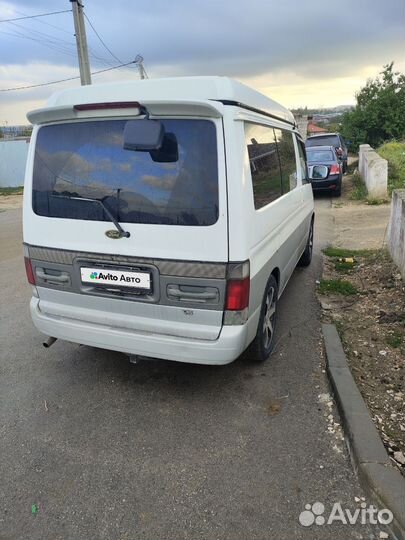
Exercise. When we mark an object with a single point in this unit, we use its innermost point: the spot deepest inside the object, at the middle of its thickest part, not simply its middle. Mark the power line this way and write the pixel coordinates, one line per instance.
(101, 40)
(60, 29)
(93, 54)
(35, 16)
(64, 80)
(42, 35)
(51, 41)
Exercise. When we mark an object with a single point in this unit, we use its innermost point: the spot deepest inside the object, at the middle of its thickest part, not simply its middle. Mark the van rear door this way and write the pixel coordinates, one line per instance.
(168, 275)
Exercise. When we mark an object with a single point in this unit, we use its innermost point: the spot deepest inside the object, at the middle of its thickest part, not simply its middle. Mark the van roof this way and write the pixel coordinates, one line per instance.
(178, 89)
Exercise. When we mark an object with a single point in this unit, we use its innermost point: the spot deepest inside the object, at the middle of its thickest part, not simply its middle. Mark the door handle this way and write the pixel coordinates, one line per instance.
(174, 290)
(62, 278)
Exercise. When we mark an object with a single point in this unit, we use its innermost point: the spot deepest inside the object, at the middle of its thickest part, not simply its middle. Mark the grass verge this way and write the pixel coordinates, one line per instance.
(394, 153)
(337, 286)
(359, 191)
(4, 191)
(342, 252)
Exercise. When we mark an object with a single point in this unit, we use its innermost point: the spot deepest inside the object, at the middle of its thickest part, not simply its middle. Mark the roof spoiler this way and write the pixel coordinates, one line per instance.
(92, 110)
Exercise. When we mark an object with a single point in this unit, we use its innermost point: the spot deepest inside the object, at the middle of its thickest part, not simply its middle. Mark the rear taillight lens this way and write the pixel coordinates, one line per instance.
(335, 169)
(237, 294)
(29, 271)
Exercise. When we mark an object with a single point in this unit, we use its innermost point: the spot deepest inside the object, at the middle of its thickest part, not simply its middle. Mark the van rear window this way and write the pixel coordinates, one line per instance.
(86, 160)
(320, 155)
(327, 140)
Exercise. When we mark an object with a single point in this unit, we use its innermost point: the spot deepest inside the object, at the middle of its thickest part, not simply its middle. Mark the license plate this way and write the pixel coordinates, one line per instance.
(116, 278)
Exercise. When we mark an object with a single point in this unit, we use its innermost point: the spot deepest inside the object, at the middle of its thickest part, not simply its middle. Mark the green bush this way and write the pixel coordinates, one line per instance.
(379, 112)
(394, 153)
(11, 190)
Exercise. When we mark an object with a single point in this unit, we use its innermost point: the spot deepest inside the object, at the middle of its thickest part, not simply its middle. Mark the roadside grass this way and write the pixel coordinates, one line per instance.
(4, 191)
(394, 153)
(352, 167)
(331, 251)
(344, 267)
(337, 286)
(395, 340)
(346, 260)
(359, 191)
(375, 202)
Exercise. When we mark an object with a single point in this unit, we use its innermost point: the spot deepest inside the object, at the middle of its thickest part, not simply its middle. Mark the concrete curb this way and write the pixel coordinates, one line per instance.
(383, 483)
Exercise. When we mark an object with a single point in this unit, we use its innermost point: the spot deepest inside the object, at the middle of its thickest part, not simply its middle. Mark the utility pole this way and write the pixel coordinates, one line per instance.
(81, 42)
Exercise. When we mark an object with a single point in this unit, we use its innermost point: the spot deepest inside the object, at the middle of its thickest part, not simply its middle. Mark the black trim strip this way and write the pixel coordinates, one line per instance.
(253, 109)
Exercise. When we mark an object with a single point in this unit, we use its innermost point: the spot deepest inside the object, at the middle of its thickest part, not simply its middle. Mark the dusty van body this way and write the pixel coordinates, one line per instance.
(178, 254)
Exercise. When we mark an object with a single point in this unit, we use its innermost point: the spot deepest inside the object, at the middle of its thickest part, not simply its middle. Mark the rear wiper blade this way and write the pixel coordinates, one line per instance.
(123, 233)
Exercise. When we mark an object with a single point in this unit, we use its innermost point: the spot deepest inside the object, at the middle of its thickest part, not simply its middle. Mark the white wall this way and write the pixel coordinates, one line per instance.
(374, 171)
(13, 155)
(396, 229)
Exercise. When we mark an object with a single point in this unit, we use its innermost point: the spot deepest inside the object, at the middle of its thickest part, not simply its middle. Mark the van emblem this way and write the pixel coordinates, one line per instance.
(112, 233)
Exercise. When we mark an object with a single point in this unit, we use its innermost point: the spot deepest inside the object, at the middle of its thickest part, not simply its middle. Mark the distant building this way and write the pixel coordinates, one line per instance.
(313, 129)
(14, 132)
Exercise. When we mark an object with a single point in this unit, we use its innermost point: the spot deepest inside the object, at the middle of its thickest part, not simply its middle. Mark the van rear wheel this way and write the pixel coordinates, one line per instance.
(263, 343)
(306, 257)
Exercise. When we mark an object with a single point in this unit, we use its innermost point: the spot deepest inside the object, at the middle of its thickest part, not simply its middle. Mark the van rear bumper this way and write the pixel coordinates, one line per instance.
(229, 345)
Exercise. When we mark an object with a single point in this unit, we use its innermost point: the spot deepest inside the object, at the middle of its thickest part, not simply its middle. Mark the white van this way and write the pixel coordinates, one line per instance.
(164, 217)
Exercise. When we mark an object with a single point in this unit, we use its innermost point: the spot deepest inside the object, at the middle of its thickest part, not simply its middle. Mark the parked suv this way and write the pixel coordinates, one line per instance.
(330, 139)
(169, 226)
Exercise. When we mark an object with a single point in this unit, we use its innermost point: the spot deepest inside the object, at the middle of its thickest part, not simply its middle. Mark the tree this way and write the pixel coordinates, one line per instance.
(379, 112)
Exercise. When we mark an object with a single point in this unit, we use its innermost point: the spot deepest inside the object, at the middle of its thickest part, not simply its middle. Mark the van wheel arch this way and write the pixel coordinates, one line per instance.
(276, 273)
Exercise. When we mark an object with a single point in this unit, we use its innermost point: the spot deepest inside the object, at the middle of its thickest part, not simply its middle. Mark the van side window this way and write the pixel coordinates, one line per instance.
(288, 164)
(303, 162)
(264, 164)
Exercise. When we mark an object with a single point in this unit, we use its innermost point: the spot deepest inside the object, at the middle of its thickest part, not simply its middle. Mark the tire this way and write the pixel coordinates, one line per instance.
(338, 191)
(263, 343)
(306, 257)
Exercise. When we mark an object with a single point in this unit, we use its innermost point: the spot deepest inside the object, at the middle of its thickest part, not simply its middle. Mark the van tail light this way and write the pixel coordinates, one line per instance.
(237, 293)
(335, 169)
(29, 271)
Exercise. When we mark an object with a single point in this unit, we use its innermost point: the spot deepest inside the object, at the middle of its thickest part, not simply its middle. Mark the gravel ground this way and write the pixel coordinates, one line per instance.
(108, 450)
(372, 326)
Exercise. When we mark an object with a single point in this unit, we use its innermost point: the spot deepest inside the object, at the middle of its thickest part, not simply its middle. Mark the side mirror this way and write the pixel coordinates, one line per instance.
(319, 172)
(143, 135)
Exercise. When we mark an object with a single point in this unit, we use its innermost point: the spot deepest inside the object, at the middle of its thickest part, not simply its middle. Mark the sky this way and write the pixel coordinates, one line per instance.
(314, 53)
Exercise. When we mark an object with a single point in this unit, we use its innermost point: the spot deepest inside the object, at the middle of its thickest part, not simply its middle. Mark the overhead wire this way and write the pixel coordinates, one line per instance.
(57, 44)
(101, 40)
(35, 16)
(60, 29)
(53, 42)
(64, 80)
